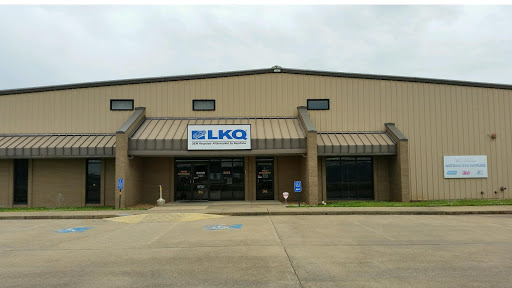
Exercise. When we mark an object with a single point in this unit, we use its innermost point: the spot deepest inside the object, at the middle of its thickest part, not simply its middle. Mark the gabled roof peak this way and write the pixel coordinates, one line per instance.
(273, 69)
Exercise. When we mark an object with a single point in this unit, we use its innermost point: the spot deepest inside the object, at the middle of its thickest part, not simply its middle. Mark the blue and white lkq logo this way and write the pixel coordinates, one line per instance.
(219, 137)
(201, 134)
(298, 186)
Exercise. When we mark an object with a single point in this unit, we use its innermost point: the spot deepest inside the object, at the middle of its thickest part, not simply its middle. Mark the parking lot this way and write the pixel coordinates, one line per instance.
(169, 250)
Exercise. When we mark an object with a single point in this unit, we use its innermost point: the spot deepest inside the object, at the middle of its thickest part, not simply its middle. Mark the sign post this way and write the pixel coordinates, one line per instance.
(120, 186)
(298, 188)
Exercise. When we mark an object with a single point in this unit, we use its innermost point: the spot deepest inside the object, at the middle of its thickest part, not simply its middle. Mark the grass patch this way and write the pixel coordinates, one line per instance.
(437, 203)
(56, 209)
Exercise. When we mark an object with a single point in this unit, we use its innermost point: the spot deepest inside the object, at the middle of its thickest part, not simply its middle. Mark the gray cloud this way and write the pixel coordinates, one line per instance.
(48, 45)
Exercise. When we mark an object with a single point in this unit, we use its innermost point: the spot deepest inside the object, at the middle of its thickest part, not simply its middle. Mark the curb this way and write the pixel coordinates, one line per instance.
(276, 213)
(279, 213)
(61, 217)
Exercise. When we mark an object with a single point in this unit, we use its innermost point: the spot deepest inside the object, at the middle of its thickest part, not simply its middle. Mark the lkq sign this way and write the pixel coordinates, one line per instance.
(219, 137)
(474, 166)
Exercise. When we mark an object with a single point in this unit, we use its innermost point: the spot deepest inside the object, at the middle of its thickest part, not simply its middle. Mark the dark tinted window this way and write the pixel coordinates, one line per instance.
(20, 181)
(203, 105)
(349, 178)
(121, 104)
(318, 104)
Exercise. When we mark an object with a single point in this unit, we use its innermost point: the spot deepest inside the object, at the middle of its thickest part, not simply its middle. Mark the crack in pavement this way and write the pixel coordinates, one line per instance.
(285, 251)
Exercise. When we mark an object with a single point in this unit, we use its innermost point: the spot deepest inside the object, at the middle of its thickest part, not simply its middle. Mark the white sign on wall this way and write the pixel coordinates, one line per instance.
(474, 166)
(219, 137)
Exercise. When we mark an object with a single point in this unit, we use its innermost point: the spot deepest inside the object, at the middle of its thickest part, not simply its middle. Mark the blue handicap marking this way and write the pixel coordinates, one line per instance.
(298, 186)
(222, 227)
(74, 229)
(120, 183)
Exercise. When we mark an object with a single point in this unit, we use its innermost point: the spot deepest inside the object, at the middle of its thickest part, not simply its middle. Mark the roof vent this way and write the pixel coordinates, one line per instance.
(277, 68)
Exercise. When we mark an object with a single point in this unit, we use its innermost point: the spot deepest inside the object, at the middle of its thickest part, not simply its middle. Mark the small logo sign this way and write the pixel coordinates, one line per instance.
(451, 173)
(199, 134)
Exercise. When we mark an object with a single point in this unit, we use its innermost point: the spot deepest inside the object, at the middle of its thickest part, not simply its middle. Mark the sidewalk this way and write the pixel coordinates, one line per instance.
(254, 208)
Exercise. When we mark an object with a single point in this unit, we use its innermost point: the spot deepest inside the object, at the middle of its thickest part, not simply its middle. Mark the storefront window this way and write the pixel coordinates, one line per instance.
(349, 178)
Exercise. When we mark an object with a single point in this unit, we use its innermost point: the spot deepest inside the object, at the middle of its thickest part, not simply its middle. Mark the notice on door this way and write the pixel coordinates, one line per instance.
(473, 166)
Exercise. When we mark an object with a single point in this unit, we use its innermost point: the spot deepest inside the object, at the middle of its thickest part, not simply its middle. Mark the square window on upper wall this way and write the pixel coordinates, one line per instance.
(203, 105)
(318, 104)
(121, 104)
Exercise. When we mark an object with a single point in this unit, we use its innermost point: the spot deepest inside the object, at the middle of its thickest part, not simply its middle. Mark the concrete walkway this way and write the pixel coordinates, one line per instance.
(254, 208)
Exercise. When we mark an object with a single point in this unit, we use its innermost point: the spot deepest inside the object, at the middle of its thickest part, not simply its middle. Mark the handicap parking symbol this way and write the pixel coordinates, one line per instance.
(298, 186)
(74, 229)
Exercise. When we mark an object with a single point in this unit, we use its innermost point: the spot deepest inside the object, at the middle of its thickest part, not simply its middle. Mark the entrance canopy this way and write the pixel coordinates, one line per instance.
(355, 143)
(168, 136)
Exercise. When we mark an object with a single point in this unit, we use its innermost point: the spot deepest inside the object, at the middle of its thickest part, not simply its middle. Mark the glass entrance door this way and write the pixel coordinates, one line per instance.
(209, 179)
(264, 179)
(200, 184)
(183, 181)
(192, 181)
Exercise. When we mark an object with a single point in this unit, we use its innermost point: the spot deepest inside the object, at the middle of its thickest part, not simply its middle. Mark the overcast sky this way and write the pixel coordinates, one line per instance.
(51, 45)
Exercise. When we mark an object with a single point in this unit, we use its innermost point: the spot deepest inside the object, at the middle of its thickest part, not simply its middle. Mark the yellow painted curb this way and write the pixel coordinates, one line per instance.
(163, 218)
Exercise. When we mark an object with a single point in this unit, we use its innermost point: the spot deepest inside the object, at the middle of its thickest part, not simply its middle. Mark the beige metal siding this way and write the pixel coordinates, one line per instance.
(438, 119)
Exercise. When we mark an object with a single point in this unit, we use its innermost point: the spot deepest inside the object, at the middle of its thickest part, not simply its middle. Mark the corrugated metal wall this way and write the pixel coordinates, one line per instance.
(438, 119)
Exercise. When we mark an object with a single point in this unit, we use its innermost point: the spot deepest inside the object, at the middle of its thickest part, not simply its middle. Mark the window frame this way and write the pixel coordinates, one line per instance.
(131, 100)
(328, 104)
(198, 100)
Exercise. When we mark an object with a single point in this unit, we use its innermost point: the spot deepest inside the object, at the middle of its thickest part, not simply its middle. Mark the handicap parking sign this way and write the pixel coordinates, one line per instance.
(120, 183)
(298, 186)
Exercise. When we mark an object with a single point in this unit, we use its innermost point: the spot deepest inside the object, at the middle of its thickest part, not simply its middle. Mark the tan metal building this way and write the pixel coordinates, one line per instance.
(345, 136)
